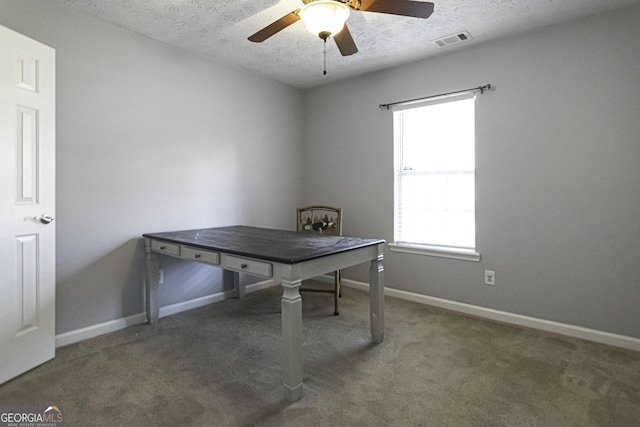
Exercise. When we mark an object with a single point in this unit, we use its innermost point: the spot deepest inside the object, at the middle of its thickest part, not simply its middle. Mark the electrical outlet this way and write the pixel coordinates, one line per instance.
(490, 277)
(160, 276)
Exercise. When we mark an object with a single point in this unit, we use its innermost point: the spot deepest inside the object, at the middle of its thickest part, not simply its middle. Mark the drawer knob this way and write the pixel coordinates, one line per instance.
(162, 248)
(243, 266)
(197, 256)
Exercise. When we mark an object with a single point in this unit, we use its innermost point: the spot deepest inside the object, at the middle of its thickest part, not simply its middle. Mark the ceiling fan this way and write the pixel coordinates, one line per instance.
(339, 9)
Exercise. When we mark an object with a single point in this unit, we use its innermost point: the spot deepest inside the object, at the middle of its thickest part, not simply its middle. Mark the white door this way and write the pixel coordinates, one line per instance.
(27, 204)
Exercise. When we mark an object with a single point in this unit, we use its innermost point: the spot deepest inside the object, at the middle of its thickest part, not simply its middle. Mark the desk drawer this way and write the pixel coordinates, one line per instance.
(248, 266)
(201, 255)
(168, 248)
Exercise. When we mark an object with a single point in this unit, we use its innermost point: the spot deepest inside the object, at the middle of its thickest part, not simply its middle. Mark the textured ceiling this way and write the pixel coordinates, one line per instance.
(219, 29)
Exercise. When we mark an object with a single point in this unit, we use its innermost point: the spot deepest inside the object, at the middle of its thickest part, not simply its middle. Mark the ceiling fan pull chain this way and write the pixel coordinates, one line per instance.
(324, 73)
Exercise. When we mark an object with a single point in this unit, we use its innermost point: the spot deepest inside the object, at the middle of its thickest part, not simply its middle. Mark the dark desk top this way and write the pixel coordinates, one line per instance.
(287, 247)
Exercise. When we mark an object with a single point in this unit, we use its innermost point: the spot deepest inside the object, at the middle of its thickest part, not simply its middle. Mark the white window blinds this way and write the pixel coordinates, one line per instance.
(434, 142)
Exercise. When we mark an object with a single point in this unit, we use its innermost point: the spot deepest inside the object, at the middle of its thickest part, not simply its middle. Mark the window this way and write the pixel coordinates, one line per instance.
(434, 143)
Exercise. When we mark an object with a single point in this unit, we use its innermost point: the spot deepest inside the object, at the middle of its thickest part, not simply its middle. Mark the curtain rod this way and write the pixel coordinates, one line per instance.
(480, 89)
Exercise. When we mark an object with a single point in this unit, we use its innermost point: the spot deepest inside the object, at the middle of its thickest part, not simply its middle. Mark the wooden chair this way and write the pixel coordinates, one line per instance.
(322, 220)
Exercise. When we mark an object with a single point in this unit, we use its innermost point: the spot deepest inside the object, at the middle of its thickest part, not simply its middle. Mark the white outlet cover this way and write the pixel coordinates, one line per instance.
(489, 277)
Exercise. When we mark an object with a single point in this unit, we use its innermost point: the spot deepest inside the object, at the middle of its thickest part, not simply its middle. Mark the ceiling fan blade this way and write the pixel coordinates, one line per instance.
(275, 27)
(345, 42)
(416, 9)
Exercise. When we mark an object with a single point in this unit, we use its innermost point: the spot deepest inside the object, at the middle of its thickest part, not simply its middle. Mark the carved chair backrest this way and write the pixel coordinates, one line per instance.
(319, 219)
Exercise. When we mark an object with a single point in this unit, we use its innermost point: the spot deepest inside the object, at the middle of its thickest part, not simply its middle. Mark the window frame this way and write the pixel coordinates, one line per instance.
(451, 252)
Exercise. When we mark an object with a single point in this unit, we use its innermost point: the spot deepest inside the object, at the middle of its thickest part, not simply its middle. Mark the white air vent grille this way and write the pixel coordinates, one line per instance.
(452, 39)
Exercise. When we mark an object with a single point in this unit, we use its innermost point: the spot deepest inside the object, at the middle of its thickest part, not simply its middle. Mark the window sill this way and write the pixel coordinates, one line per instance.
(451, 253)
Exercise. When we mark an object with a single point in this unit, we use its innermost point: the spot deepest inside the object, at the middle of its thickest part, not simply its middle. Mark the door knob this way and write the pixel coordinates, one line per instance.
(44, 218)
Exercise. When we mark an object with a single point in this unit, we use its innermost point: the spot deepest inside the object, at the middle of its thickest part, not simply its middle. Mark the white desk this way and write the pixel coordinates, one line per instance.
(285, 256)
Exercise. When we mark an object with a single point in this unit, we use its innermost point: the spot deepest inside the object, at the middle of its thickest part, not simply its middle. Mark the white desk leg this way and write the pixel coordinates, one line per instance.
(292, 338)
(376, 296)
(232, 279)
(152, 277)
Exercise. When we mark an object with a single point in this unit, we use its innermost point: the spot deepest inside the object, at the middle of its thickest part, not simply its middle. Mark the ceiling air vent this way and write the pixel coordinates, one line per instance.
(452, 39)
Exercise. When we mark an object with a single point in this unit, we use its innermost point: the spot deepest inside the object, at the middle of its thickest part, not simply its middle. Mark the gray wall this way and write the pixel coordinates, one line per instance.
(152, 138)
(558, 170)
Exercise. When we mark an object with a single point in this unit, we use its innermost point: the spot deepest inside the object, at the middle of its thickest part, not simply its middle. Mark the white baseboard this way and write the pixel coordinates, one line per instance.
(608, 338)
(168, 310)
(93, 331)
(261, 285)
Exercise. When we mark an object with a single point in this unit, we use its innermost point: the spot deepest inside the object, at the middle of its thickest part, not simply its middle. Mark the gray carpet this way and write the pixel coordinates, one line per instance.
(220, 366)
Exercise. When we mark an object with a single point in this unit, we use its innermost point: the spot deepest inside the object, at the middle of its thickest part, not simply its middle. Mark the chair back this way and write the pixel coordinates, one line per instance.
(319, 219)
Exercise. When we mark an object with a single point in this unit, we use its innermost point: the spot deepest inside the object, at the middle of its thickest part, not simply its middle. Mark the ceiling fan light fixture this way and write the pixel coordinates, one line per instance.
(324, 18)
